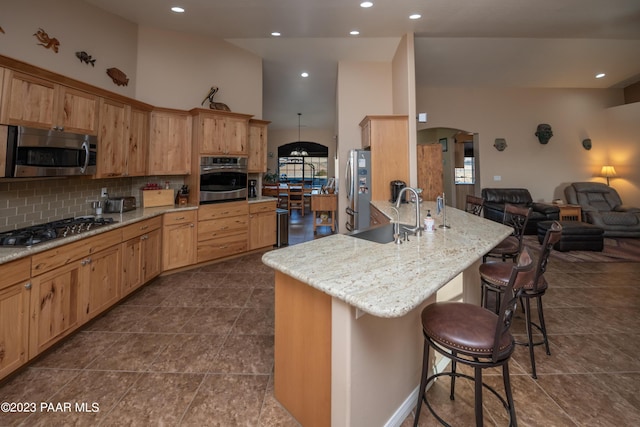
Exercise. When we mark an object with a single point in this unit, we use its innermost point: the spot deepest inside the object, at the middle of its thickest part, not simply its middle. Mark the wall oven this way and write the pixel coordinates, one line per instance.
(223, 179)
(31, 152)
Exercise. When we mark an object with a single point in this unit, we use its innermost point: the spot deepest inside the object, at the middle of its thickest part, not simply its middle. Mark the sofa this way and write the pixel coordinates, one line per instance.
(496, 198)
(602, 206)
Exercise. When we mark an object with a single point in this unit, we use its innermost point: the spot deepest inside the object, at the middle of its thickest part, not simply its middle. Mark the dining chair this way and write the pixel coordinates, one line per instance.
(296, 198)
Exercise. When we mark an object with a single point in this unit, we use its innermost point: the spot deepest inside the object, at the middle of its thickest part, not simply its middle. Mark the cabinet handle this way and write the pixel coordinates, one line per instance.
(223, 247)
(145, 237)
(191, 225)
(179, 218)
(27, 286)
(86, 261)
(224, 228)
(144, 227)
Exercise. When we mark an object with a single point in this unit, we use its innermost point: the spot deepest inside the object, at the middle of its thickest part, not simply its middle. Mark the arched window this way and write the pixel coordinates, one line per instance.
(303, 162)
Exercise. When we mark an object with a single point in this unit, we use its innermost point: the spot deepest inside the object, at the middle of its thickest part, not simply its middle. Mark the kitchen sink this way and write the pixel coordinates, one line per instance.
(379, 234)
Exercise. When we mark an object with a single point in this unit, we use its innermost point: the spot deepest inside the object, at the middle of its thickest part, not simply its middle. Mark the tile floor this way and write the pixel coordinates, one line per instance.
(196, 349)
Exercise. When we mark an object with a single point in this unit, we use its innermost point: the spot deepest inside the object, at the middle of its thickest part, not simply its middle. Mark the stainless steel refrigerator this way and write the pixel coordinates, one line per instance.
(358, 181)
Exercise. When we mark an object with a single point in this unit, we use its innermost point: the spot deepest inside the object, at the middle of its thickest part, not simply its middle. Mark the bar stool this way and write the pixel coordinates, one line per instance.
(516, 217)
(473, 336)
(474, 205)
(494, 277)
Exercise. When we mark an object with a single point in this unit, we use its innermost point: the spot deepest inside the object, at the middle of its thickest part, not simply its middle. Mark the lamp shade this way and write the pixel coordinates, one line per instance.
(608, 172)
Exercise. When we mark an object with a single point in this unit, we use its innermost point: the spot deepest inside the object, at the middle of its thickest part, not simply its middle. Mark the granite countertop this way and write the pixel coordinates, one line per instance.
(11, 253)
(389, 280)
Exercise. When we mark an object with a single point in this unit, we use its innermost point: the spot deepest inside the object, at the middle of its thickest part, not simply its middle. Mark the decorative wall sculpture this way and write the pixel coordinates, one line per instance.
(86, 58)
(544, 133)
(46, 41)
(500, 144)
(118, 76)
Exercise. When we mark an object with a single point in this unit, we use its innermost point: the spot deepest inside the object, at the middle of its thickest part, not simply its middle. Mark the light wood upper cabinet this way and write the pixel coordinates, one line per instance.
(35, 102)
(388, 139)
(221, 132)
(257, 146)
(14, 315)
(138, 143)
(112, 143)
(170, 143)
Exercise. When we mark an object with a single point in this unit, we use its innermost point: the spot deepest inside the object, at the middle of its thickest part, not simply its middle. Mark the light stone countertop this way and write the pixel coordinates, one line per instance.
(389, 280)
(11, 253)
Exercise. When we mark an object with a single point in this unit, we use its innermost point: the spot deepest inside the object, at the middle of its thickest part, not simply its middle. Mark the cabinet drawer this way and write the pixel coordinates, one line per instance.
(182, 217)
(221, 227)
(71, 252)
(262, 207)
(222, 247)
(140, 228)
(14, 272)
(222, 210)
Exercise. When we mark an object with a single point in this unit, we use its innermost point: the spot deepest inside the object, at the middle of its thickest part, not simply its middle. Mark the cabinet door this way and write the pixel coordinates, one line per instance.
(212, 135)
(170, 144)
(54, 306)
(132, 277)
(14, 315)
(152, 254)
(179, 243)
(77, 111)
(101, 291)
(138, 142)
(257, 162)
(28, 101)
(111, 139)
(236, 134)
(262, 230)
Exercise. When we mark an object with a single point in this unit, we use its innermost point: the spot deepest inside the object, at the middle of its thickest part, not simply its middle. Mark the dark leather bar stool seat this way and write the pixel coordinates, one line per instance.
(494, 277)
(474, 336)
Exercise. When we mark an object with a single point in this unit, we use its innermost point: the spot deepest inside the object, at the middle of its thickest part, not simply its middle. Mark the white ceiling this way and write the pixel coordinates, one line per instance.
(518, 43)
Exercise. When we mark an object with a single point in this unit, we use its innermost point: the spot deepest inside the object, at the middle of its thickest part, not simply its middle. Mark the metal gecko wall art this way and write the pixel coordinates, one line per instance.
(46, 41)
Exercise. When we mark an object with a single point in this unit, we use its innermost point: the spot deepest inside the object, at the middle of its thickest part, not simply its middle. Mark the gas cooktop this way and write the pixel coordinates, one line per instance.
(29, 236)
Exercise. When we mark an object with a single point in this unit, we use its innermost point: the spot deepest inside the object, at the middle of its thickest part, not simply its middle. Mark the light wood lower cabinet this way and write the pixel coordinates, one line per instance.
(178, 239)
(141, 254)
(222, 230)
(71, 284)
(377, 217)
(262, 225)
(14, 315)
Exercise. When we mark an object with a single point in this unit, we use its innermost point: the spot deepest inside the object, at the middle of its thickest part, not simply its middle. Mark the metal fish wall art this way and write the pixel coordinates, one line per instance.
(46, 41)
(1, 30)
(118, 76)
(86, 58)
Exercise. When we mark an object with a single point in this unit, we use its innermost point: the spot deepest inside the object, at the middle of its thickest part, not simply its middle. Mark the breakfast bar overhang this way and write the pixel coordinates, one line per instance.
(348, 342)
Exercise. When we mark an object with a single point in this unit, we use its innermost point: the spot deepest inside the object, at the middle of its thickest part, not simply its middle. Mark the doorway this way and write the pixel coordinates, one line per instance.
(460, 162)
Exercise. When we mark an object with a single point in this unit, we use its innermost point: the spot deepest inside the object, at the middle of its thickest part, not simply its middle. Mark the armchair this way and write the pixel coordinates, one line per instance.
(496, 198)
(601, 206)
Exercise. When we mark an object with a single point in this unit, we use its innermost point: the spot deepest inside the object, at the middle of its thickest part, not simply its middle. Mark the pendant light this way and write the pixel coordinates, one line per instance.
(299, 151)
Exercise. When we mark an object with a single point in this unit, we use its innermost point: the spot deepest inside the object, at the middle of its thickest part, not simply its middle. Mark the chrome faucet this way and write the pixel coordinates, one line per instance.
(417, 230)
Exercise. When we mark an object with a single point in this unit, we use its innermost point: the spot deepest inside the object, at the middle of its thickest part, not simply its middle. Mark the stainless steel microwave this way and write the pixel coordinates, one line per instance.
(29, 152)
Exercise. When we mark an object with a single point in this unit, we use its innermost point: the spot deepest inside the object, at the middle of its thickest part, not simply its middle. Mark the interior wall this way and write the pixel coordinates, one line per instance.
(364, 88)
(404, 95)
(179, 70)
(78, 26)
(513, 114)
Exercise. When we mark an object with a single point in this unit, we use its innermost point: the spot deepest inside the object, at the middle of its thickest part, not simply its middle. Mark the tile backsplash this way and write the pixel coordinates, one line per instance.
(25, 202)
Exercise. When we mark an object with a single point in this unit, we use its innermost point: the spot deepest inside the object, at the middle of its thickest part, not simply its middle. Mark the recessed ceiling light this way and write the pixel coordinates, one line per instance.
(276, 34)
(177, 9)
(415, 16)
(354, 32)
(366, 4)
(304, 74)
(600, 75)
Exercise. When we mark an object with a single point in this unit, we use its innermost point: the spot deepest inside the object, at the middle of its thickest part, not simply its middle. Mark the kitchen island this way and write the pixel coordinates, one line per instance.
(348, 342)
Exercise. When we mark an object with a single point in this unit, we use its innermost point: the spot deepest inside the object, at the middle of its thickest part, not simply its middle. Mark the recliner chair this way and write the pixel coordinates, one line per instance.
(602, 206)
